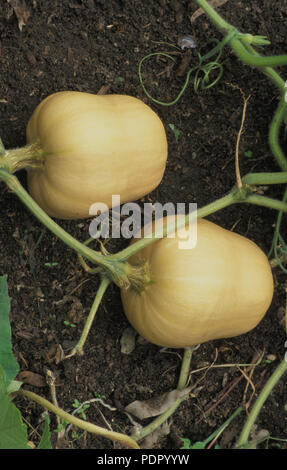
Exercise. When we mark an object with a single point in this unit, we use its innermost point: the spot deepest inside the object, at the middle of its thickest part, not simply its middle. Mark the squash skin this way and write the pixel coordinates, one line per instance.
(220, 289)
(97, 146)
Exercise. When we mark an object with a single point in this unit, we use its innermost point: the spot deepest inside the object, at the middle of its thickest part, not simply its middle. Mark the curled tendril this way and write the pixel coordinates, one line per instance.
(202, 79)
(204, 82)
(202, 71)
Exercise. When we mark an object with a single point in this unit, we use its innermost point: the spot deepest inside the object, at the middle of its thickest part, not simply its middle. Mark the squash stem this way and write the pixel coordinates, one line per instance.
(185, 367)
(265, 392)
(29, 156)
(80, 423)
(122, 273)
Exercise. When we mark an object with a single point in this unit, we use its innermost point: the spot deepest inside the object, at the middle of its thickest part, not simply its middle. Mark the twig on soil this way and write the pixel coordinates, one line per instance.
(249, 382)
(104, 89)
(207, 367)
(253, 387)
(237, 169)
(245, 101)
(226, 390)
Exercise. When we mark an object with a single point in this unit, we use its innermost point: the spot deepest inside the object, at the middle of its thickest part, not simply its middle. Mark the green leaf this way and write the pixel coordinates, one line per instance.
(14, 386)
(7, 359)
(45, 442)
(13, 432)
(197, 445)
(186, 443)
(175, 131)
(248, 153)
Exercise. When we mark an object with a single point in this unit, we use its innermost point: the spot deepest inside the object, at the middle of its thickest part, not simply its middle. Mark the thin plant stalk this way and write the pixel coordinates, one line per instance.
(80, 423)
(264, 394)
(215, 435)
(78, 349)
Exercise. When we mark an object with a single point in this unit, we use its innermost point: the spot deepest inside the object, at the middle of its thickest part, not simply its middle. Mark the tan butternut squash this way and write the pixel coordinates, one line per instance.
(219, 289)
(94, 146)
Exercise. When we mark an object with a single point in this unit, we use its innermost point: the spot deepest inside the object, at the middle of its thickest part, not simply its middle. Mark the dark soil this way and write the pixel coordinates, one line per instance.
(85, 45)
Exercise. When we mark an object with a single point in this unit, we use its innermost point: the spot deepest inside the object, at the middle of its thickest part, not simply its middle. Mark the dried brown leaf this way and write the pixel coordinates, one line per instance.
(21, 11)
(156, 405)
(54, 354)
(31, 378)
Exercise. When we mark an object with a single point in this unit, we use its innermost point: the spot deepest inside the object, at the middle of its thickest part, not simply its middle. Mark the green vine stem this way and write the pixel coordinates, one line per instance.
(265, 178)
(241, 42)
(138, 435)
(118, 272)
(185, 367)
(276, 123)
(13, 183)
(236, 195)
(265, 392)
(80, 423)
(215, 206)
(116, 267)
(266, 202)
(255, 60)
(268, 71)
(220, 430)
(78, 349)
